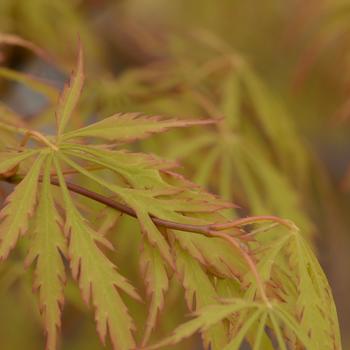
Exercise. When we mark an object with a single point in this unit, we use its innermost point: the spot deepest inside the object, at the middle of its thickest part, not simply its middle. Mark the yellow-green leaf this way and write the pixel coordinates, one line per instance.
(70, 95)
(157, 283)
(97, 276)
(19, 207)
(46, 247)
(129, 127)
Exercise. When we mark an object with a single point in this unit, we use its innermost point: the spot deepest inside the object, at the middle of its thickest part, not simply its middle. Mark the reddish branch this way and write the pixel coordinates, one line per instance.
(210, 230)
(207, 230)
(204, 229)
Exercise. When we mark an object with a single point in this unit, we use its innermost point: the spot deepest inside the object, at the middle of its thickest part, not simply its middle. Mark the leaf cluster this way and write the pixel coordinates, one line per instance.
(244, 280)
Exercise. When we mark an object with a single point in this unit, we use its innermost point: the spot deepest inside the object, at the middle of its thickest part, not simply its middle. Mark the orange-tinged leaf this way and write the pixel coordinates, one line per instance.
(20, 205)
(47, 243)
(137, 170)
(157, 283)
(97, 276)
(199, 292)
(214, 253)
(70, 95)
(129, 127)
(154, 236)
(206, 317)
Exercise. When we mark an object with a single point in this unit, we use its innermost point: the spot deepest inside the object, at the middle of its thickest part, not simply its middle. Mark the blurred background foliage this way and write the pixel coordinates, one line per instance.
(276, 76)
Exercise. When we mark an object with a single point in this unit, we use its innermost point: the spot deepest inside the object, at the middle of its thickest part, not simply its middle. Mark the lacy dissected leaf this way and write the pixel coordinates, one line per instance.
(138, 170)
(148, 227)
(288, 261)
(97, 276)
(206, 317)
(157, 283)
(199, 292)
(286, 323)
(146, 203)
(214, 253)
(19, 207)
(315, 305)
(154, 236)
(178, 204)
(270, 256)
(46, 247)
(208, 268)
(129, 127)
(70, 96)
(250, 321)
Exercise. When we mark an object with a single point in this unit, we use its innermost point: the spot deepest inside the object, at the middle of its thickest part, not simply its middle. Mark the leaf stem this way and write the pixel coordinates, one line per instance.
(27, 133)
(252, 220)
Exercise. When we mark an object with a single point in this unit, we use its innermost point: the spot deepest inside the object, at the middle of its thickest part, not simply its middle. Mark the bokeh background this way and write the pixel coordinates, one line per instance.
(276, 75)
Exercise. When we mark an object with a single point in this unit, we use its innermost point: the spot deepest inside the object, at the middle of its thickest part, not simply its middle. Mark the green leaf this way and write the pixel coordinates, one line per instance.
(20, 205)
(314, 304)
(97, 276)
(292, 324)
(138, 170)
(145, 203)
(154, 236)
(157, 283)
(46, 247)
(248, 322)
(281, 341)
(206, 318)
(259, 336)
(128, 127)
(213, 253)
(70, 95)
(199, 292)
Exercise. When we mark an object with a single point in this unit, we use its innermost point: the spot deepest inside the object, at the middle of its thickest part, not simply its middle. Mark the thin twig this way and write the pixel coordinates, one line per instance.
(203, 229)
(207, 230)
(253, 220)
